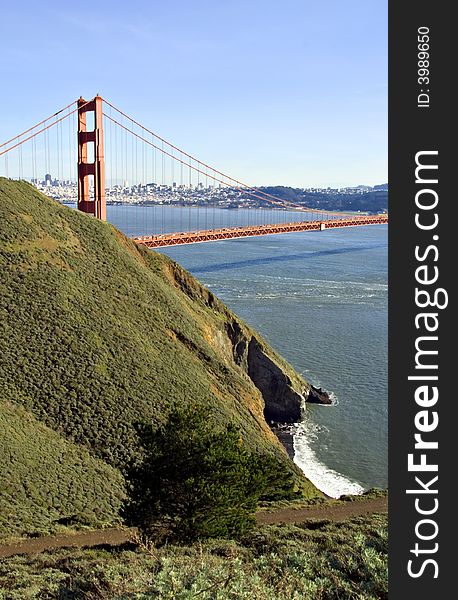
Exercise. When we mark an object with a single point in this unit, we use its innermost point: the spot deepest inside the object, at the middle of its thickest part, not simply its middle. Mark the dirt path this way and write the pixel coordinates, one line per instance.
(337, 512)
(116, 537)
(110, 537)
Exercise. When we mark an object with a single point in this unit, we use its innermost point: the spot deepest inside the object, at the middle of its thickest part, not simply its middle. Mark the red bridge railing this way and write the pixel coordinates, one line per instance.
(211, 235)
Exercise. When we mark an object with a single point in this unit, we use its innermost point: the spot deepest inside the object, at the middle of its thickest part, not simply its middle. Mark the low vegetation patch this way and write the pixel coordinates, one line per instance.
(48, 483)
(330, 561)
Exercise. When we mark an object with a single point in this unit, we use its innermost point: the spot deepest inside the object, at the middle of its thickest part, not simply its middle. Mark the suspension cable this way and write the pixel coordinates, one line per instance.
(245, 186)
(164, 141)
(37, 125)
(247, 189)
(42, 130)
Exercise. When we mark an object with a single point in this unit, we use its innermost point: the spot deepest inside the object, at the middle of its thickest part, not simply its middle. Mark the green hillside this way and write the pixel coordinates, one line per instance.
(47, 481)
(97, 334)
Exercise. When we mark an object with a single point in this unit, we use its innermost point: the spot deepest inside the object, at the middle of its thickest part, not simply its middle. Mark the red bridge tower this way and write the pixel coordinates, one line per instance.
(95, 205)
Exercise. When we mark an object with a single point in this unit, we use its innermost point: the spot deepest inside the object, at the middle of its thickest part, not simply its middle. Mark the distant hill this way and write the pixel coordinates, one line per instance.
(372, 201)
(98, 333)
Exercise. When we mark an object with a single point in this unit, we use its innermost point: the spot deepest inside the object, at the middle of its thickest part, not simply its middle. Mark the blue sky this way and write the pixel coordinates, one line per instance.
(287, 93)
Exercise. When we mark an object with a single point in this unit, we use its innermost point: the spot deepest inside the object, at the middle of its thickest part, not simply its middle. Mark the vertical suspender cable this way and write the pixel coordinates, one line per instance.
(34, 159)
(190, 195)
(155, 187)
(171, 193)
(162, 189)
(69, 157)
(181, 205)
(206, 198)
(20, 161)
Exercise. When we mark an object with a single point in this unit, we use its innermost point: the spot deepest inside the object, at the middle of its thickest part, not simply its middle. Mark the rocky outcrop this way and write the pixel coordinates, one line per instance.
(239, 340)
(318, 396)
(284, 392)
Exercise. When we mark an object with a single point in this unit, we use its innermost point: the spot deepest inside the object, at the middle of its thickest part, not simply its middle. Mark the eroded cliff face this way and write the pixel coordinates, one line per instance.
(282, 402)
(284, 397)
(284, 392)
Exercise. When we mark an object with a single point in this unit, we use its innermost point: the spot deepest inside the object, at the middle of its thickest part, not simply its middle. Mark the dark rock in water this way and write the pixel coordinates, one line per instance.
(318, 396)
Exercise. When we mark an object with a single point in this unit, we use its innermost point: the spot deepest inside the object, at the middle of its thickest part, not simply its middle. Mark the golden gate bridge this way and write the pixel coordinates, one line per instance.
(113, 149)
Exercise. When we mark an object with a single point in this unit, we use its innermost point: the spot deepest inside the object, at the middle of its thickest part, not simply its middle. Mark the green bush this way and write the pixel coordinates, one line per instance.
(195, 482)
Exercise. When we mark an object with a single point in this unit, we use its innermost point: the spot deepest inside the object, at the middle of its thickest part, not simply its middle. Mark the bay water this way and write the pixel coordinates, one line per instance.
(320, 299)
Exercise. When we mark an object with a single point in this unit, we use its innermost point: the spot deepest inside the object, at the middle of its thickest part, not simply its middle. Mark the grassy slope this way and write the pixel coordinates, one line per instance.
(47, 481)
(313, 562)
(98, 333)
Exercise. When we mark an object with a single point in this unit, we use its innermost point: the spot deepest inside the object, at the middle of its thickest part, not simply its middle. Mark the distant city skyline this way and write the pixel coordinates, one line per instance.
(360, 199)
(290, 94)
(50, 180)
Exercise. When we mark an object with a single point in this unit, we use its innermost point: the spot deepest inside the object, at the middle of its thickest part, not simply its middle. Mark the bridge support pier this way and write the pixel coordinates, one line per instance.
(95, 203)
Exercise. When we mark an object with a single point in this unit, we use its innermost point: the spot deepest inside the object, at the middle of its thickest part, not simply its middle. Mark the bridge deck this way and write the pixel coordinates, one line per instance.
(211, 235)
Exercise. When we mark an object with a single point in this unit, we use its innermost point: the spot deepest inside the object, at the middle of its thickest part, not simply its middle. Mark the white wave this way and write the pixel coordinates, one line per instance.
(327, 480)
(334, 400)
(316, 382)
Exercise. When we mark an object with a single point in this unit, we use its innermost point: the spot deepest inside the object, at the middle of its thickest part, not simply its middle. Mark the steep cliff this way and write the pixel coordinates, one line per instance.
(99, 333)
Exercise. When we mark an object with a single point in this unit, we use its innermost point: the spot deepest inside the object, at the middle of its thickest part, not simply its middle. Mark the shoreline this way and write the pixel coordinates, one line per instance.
(286, 438)
(336, 484)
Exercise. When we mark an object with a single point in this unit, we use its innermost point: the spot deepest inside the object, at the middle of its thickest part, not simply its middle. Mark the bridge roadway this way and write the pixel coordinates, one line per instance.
(211, 235)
